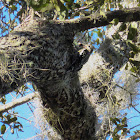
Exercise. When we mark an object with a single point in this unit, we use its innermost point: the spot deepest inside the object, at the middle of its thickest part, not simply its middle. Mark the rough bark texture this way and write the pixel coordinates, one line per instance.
(97, 20)
(44, 56)
(42, 52)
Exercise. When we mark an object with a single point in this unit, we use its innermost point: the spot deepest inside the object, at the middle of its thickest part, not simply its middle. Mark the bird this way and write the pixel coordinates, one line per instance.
(81, 57)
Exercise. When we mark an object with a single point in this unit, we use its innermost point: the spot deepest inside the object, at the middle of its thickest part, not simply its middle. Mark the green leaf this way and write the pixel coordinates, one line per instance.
(63, 13)
(133, 46)
(19, 124)
(133, 69)
(115, 21)
(103, 14)
(57, 8)
(120, 6)
(135, 62)
(47, 7)
(116, 130)
(16, 126)
(122, 27)
(137, 80)
(89, 2)
(8, 117)
(132, 33)
(116, 36)
(116, 138)
(13, 8)
(8, 0)
(39, 5)
(20, 130)
(3, 129)
(76, 5)
(13, 119)
(34, 87)
(3, 100)
(1, 115)
(118, 120)
(126, 67)
(98, 41)
(124, 129)
(99, 33)
(113, 120)
(124, 120)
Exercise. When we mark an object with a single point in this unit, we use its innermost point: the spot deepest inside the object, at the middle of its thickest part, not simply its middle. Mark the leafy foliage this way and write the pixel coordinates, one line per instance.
(9, 120)
(68, 9)
(120, 125)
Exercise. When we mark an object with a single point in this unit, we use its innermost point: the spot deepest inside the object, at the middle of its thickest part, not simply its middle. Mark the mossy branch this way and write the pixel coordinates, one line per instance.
(98, 20)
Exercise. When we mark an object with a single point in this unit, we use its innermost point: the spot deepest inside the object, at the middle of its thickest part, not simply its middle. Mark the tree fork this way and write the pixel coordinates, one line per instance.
(42, 52)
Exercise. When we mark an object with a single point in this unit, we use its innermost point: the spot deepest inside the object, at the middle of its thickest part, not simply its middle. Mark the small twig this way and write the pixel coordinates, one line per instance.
(24, 118)
(124, 89)
(134, 126)
(133, 117)
(33, 137)
(135, 109)
(30, 108)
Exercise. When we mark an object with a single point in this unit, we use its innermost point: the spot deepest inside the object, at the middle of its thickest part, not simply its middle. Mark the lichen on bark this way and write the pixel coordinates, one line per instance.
(43, 53)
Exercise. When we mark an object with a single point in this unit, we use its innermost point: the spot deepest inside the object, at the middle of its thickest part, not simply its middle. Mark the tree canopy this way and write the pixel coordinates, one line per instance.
(70, 51)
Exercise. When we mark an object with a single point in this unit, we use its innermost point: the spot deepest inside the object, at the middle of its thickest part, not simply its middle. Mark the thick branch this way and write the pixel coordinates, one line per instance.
(87, 22)
(17, 102)
(42, 53)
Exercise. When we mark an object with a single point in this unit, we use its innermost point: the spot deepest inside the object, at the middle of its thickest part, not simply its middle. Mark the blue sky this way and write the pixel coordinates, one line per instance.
(24, 111)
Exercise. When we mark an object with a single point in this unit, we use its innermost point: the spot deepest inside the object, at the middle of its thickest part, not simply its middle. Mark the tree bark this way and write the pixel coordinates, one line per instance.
(97, 20)
(17, 102)
(42, 52)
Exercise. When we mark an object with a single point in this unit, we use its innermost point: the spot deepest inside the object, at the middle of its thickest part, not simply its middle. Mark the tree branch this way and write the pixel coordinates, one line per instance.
(17, 102)
(92, 21)
(43, 51)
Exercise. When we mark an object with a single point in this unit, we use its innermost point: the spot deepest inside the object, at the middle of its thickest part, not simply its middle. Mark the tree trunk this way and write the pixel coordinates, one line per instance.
(44, 57)
(43, 53)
